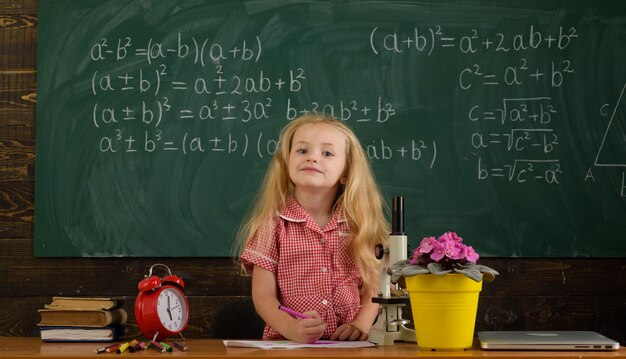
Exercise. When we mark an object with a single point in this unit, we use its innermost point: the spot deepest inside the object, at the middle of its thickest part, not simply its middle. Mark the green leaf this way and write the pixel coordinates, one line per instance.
(476, 272)
(396, 267)
(472, 273)
(485, 269)
(436, 268)
(395, 271)
(413, 270)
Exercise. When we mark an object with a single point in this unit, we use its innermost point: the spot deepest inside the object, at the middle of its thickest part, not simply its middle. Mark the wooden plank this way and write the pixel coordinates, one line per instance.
(17, 160)
(17, 103)
(18, 7)
(32, 348)
(17, 166)
(18, 72)
(18, 42)
(558, 276)
(17, 154)
(16, 209)
(29, 276)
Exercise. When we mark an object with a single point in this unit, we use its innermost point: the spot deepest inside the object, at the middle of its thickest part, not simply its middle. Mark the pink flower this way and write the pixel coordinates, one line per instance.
(453, 250)
(439, 251)
(426, 245)
(447, 245)
(450, 256)
(450, 236)
(470, 254)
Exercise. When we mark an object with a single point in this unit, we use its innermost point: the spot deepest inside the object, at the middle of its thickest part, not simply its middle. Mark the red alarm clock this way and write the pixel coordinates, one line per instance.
(161, 308)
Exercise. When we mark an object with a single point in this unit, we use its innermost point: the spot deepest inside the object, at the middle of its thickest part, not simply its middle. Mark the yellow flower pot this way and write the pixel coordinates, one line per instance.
(444, 310)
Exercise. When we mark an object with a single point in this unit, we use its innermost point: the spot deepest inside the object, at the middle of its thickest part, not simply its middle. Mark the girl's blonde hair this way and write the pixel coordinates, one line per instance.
(359, 198)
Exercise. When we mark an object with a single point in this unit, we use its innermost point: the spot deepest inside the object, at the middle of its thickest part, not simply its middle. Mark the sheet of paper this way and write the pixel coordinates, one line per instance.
(286, 344)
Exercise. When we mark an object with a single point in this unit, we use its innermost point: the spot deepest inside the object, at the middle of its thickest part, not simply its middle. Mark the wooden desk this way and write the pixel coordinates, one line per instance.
(32, 347)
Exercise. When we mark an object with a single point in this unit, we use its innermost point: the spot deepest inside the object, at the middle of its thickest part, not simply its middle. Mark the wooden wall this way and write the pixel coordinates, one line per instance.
(530, 293)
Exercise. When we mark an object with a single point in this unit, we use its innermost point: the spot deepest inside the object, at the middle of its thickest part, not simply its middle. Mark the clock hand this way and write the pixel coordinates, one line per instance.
(169, 309)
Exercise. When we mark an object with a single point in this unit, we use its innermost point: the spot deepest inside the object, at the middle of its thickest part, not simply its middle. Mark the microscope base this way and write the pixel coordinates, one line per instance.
(404, 334)
(390, 327)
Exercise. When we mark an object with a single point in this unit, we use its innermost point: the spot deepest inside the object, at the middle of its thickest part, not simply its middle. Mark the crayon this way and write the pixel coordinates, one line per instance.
(138, 346)
(293, 312)
(112, 348)
(157, 346)
(131, 345)
(101, 350)
(122, 348)
(167, 347)
(180, 346)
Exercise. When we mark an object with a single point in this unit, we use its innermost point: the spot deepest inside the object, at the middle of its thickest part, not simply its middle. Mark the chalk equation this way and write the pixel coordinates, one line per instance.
(218, 97)
(244, 144)
(200, 51)
(426, 40)
(522, 126)
(153, 121)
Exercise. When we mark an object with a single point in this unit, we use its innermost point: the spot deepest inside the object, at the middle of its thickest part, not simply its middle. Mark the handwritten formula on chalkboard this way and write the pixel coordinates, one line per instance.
(504, 121)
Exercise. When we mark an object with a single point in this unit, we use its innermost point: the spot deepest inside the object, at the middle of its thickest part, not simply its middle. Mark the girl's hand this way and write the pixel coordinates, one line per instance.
(307, 330)
(349, 331)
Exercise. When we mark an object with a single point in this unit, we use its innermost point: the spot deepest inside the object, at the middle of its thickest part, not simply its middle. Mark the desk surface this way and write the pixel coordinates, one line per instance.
(32, 347)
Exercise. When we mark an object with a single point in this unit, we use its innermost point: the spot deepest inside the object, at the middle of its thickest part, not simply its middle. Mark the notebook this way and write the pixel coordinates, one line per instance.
(545, 340)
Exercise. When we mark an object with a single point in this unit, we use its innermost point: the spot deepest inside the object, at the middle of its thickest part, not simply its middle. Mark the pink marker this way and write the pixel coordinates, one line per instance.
(293, 312)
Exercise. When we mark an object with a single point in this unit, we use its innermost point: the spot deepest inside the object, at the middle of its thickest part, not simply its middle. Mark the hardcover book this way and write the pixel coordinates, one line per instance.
(81, 334)
(83, 303)
(82, 317)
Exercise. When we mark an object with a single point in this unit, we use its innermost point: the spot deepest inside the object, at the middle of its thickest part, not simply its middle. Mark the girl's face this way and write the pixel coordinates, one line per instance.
(317, 160)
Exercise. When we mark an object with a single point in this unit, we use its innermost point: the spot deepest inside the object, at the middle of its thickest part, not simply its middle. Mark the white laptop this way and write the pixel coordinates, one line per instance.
(545, 340)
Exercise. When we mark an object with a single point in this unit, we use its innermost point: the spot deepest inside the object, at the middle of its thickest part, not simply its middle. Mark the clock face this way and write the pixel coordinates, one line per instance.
(172, 309)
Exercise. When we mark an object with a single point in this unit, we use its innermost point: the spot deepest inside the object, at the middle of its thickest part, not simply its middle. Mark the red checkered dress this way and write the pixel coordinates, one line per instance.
(313, 267)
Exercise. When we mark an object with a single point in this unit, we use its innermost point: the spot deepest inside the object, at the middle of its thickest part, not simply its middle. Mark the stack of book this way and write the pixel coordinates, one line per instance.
(78, 319)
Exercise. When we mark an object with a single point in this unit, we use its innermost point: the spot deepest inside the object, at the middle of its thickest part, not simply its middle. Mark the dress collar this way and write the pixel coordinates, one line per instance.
(293, 212)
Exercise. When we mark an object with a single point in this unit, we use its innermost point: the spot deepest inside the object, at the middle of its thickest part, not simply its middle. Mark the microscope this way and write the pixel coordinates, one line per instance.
(389, 326)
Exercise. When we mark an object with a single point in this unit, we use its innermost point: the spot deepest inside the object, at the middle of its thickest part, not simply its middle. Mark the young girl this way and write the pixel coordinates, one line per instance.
(309, 241)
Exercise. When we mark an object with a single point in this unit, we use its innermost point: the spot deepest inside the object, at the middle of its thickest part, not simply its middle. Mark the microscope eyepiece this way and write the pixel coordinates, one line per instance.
(397, 216)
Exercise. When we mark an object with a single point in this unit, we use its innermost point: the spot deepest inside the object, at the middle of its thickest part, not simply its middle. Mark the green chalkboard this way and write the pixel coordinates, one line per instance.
(504, 121)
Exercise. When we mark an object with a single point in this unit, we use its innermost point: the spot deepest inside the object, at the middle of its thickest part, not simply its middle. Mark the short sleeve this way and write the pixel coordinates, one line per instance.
(262, 250)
